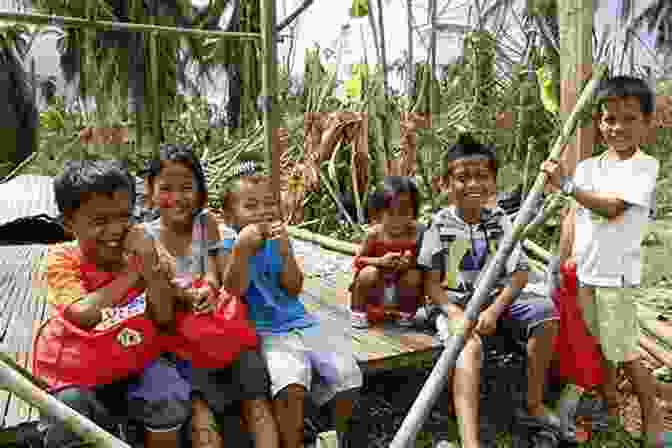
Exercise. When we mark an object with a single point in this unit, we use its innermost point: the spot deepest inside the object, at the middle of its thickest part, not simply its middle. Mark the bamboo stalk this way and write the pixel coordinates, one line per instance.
(23, 388)
(269, 79)
(76, 22)
(436, 381)
(154, 63)
(324, 241)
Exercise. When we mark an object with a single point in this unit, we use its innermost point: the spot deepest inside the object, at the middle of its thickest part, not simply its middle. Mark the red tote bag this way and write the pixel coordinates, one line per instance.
(579, 355)
(66, 355)
(213, 340)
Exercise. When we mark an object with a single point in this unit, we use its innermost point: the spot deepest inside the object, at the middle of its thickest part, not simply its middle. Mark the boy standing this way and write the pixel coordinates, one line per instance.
(454, 253)
(613, 195)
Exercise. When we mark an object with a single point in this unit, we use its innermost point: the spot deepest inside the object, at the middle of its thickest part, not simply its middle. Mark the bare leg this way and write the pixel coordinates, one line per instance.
(261, 423)
(609, 389)
(539, 357)
(645, 388)
(343, 405)
(288, 407)
(368, 282)
(204, 432)
(466, 392)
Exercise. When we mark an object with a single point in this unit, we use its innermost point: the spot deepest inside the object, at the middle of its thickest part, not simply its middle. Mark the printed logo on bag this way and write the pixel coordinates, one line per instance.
(129, 338)
(114, 316)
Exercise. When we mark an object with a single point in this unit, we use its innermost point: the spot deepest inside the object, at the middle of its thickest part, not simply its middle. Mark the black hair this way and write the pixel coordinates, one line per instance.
(466, 147)
(178, 152)
(81, 178)
(375, 202)
(248, 165)
(627, 86)
(395, 185)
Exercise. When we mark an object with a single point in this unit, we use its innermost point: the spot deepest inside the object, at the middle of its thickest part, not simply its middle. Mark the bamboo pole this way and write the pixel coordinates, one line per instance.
(76, 22)
(324, 241)
(154, 64)
(436, 381)
(269, 80)
(22, 387)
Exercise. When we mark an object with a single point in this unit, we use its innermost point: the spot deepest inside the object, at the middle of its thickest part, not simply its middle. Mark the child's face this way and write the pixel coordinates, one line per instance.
(623, 125)
(473, 183)
(396, 217)
(253, 203)
(100, 226)
(176, 193)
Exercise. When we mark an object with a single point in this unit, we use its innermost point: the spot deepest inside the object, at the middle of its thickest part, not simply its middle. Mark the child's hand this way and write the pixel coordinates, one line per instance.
(487, 322)
(278, 231)
(555, 171)
(138, 242)
(390, 260)
(406, 261)
(252, 237)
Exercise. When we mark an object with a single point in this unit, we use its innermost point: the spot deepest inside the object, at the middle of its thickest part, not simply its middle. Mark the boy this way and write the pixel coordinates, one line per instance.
(262, 268)
(613, 196)
(95, 199)
(457, 246)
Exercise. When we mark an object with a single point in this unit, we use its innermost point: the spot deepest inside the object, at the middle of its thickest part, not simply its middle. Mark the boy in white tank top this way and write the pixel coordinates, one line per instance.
(613, 195)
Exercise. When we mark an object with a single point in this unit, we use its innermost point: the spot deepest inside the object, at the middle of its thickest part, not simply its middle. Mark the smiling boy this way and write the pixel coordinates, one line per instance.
(613, 195)
(454, 253)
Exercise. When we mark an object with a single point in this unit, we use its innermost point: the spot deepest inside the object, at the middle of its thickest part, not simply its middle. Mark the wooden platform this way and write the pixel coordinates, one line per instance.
(23, 307)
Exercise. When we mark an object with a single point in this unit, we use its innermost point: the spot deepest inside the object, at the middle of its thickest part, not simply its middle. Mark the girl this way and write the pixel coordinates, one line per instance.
(385, 271)
(176, 184)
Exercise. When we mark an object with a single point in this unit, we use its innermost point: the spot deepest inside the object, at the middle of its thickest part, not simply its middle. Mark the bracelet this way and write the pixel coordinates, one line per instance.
(568, 186)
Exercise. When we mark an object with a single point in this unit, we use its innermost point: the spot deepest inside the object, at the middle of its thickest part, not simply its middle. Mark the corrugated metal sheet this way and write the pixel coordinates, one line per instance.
(26, 196)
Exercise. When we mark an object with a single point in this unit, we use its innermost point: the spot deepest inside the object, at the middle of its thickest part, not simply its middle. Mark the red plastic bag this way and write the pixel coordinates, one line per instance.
(213, 340)
(65, 355)
(579, 355)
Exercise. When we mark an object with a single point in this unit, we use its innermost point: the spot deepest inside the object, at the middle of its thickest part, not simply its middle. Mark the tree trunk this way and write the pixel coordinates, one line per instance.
(410, 66)
(233, 75)
(374, 31)
(576, 56)
(383, 55)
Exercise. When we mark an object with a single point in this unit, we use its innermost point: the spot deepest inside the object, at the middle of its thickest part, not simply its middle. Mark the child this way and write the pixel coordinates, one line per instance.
(177, 185)
(262, 268)
(385, 263)
(613, 194)
(458, 245)
(95, 199)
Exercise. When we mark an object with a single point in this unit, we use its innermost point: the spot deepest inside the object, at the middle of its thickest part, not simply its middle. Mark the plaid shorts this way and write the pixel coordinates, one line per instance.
(610, 314)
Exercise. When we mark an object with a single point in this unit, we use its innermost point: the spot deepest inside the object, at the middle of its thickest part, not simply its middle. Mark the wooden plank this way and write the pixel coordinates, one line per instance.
(20, 333)
(375, 347)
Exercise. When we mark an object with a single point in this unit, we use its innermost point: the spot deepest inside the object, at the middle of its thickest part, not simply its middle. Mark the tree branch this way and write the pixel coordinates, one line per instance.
(290, 18)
